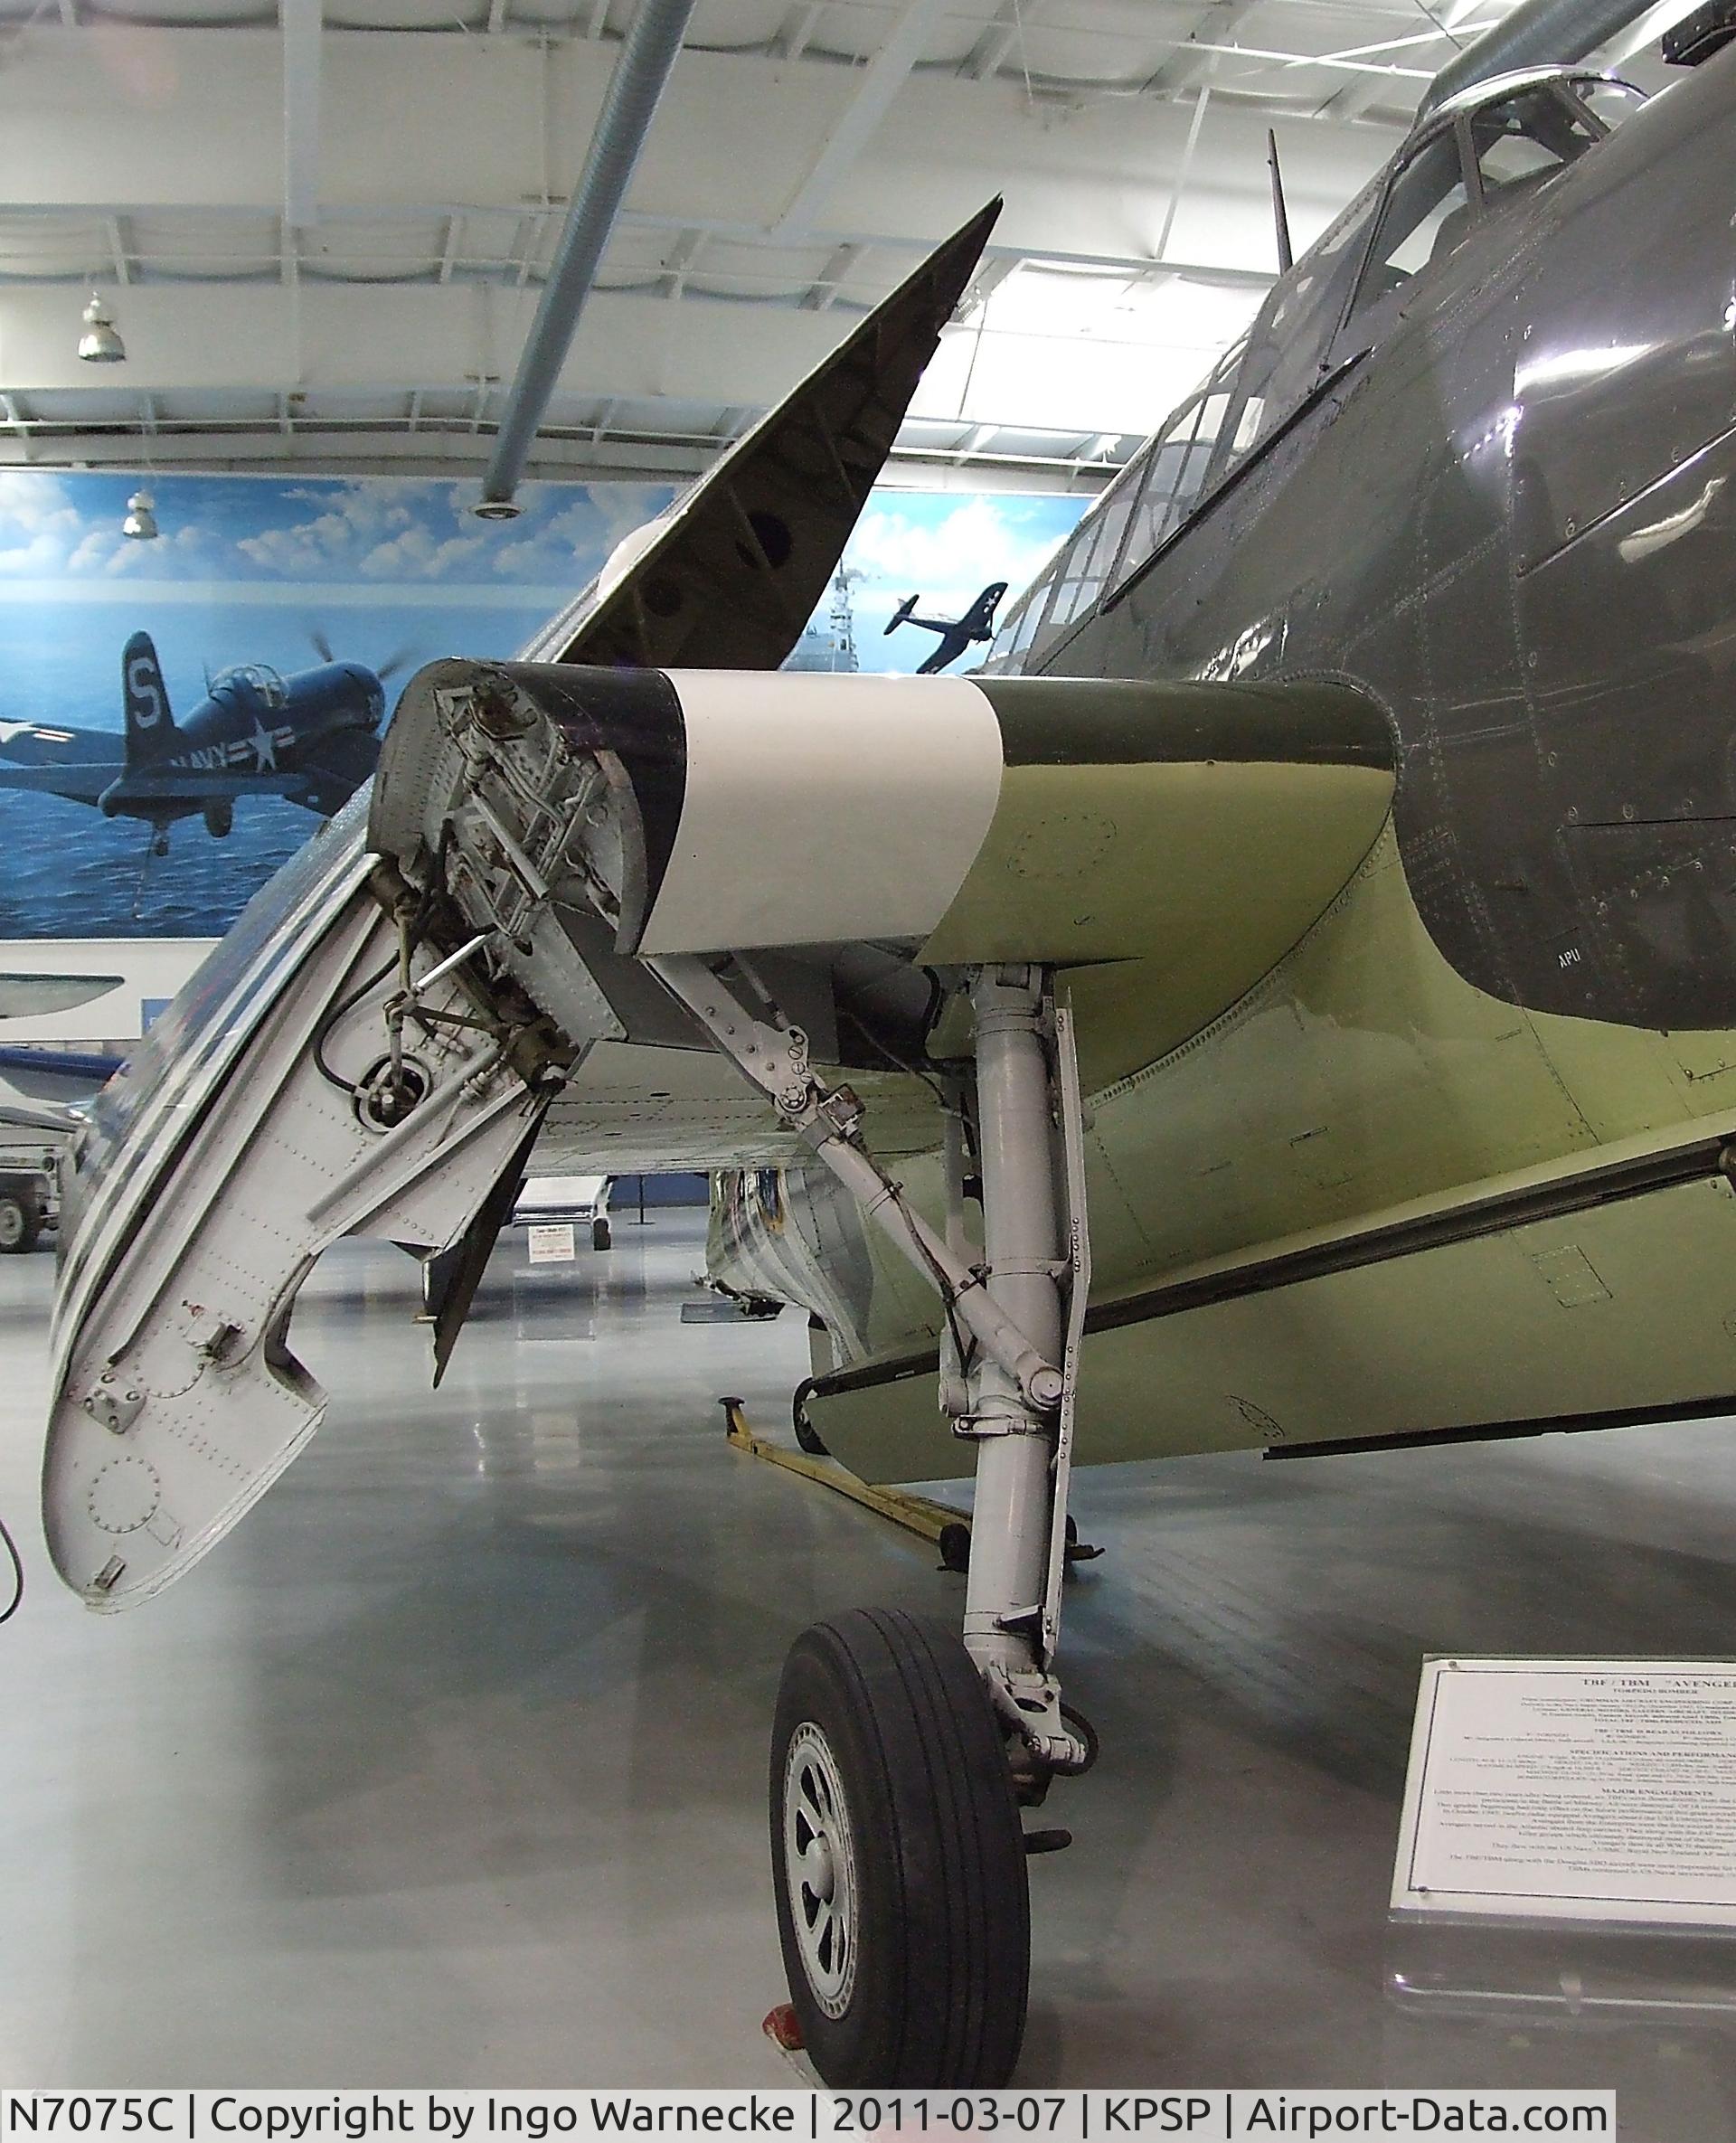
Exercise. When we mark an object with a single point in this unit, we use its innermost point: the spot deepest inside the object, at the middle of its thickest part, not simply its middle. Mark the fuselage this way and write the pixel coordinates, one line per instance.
(1493, 500)
(1506, 523)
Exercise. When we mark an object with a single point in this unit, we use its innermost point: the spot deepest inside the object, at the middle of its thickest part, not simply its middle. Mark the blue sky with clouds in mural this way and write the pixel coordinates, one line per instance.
(388, 571)
(63, 532)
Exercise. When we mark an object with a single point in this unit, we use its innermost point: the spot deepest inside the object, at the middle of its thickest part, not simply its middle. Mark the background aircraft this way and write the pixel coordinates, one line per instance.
(956, 635)
(312, 737)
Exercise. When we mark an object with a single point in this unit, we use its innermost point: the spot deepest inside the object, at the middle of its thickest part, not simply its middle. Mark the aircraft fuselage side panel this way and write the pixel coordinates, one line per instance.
(1510, 526)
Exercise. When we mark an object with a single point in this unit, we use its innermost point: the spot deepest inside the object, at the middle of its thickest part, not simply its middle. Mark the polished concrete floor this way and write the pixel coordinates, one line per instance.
(449, 1766)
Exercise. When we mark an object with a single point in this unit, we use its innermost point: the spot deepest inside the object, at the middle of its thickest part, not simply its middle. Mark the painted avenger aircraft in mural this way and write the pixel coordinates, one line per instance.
(1286, 1000)
(312, 737)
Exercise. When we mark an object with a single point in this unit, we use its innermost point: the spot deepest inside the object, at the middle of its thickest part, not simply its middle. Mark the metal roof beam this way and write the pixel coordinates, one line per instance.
(822, 294)
(988, 280)
(796, 29)
(988, 55)
(466, 135)
(680, 261)
(849, 135)
(1189, 65)
(373, 340)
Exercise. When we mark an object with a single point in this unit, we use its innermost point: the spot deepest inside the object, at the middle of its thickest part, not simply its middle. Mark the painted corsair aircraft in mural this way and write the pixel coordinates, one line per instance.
(311, 738)
(1285, 1000)
(956, 636)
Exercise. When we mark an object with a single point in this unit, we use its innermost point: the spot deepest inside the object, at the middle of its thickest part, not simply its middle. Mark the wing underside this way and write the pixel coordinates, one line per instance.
(48, 760)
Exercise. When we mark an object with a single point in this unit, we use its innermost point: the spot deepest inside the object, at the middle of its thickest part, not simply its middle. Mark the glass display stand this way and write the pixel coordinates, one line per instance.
(1564, 1905)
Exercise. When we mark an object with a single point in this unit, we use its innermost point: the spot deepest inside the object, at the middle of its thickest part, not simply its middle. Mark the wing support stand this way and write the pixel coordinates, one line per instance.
(1014, 1320)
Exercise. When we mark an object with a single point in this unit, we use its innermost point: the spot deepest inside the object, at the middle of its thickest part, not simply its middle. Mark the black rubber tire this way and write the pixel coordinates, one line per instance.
(21, 1222)
(943, 1937)
(600, 1237)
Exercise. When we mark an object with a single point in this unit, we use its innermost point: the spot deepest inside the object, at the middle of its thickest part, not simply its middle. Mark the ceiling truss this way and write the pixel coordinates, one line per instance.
(326, 229)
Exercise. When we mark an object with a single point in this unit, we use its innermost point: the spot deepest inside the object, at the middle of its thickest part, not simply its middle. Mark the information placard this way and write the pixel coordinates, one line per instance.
(551, 1242)
(1592, 1790)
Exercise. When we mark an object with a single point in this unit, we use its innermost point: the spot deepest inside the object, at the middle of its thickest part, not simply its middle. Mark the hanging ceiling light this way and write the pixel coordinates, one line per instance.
(100, 345)
(141, 520)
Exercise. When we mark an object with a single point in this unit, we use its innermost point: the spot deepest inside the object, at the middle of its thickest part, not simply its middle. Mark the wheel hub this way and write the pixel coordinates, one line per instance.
(819, 1867)
(818, 1873)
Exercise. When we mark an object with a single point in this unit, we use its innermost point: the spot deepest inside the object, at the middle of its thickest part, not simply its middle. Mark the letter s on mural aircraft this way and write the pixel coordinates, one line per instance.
(312, 737)
(1328, 886)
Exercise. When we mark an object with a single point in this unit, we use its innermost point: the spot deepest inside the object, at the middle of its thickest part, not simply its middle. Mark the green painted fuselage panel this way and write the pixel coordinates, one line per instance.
(1368, 1201)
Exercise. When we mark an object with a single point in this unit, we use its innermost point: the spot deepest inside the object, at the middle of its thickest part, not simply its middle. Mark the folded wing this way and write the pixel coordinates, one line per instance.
(278, 1104)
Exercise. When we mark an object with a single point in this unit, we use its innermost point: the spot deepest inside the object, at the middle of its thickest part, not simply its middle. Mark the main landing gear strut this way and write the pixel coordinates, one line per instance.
(902, 1756)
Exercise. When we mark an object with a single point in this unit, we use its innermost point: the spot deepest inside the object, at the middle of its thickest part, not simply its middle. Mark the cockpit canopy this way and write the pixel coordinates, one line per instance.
(250, 677)
(1475, 159)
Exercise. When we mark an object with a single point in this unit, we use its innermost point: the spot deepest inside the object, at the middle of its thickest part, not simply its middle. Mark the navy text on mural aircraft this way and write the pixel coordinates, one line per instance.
(312, 737)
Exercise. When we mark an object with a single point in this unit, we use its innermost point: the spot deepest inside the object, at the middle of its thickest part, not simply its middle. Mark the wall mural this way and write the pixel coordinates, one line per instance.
(176, 714)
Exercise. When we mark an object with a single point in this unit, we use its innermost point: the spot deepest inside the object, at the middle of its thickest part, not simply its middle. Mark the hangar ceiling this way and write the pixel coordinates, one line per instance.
(323, 235)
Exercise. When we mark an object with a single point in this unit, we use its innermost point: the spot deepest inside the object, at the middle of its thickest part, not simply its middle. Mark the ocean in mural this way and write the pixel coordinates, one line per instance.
(386, 572)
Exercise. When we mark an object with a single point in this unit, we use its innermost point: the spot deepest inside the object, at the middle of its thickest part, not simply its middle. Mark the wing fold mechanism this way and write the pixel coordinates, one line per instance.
(589, 819)
(707, 821)
(804, 873)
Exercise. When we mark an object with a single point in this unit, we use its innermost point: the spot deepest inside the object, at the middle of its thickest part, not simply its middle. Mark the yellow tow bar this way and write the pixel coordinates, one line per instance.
(948, 1528)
